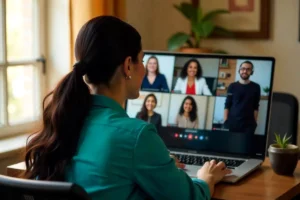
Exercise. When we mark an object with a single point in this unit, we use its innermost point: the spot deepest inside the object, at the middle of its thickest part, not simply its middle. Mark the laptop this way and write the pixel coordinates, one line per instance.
(208, 106)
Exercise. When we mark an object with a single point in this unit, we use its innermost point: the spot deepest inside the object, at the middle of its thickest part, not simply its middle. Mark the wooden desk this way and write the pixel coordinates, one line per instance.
(262, 184)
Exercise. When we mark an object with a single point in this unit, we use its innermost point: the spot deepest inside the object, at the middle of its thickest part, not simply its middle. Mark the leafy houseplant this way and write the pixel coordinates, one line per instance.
(266, 90)
(202, 27)
(283, 155)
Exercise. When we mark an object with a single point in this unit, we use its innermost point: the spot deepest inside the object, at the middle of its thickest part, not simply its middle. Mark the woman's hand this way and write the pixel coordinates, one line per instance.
(177, 162)
(212, 173)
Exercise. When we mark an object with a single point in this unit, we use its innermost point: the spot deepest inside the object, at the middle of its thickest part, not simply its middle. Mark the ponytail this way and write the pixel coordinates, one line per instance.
(53, 147)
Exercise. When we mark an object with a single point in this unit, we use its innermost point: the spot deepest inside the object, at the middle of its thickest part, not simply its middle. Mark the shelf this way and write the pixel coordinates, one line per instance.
(221, 67)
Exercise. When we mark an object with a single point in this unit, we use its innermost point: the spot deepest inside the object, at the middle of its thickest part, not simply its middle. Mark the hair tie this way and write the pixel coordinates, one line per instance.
(80, 68)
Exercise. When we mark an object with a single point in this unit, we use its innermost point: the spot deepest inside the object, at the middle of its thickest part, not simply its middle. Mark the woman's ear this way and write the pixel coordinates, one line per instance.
(127, 66)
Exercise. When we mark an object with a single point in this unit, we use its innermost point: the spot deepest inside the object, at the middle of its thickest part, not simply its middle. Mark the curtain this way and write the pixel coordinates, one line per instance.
(83, 10)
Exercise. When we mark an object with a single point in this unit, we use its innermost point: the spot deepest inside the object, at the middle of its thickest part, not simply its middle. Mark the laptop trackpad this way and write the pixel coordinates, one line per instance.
(192, 170)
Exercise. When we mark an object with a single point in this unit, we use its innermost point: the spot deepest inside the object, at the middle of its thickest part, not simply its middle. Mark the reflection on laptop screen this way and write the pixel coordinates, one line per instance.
(210, 103)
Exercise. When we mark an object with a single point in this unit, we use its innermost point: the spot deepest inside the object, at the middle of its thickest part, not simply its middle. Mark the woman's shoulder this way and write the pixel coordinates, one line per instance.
(180, 79)
(160, 75)
(138, 114)
(201, 80)
(157, 114)
(134, 124)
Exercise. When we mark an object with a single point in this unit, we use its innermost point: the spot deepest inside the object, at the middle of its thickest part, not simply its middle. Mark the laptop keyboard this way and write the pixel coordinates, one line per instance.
(200, 160)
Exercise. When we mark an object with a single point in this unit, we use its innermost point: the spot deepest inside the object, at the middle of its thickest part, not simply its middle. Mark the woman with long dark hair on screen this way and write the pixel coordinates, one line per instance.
(88, 139)
(187, 116)
(191, 80)
(153, 79)
(147, 111)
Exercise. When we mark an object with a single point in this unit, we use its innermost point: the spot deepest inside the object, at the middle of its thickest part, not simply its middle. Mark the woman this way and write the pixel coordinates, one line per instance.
(147, 112)
(153, 80)
(89, 139)
(187, 116)
(191, 80)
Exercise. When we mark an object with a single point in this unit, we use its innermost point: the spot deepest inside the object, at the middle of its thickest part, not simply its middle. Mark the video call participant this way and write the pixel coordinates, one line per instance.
(187, 116)
(153, 80)
(147, 112)
(242, 102)
(191, 80)
(89, 131)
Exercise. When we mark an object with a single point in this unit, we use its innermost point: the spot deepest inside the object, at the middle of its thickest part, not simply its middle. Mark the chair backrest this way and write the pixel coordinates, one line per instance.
(283, 117)
(22, 189)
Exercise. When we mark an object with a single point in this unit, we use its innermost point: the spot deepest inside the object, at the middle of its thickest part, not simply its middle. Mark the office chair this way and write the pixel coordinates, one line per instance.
(22, 189)
(283, 117)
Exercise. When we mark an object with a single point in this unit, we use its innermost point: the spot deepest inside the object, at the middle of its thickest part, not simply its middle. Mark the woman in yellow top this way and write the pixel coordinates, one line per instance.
(87, 137)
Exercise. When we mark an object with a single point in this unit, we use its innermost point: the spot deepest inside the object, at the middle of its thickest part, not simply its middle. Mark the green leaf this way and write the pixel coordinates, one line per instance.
(213, 14)
(188, 10)
(223, 31)
(278, 140)
(282, 142)
(199, 15)
(177, 40)
(203, 29)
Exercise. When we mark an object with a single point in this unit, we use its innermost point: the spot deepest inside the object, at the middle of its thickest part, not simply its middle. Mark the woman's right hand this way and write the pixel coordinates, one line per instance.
(212, 173)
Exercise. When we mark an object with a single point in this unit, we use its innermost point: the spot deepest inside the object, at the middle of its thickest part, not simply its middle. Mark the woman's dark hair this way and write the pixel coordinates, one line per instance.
(143, 114)
(102, 45)
(157, 70)
(184, 70)
(193, 113)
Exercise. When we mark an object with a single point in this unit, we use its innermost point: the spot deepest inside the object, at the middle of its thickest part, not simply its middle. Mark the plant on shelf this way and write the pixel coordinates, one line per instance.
(266, 90)
(283, 155)
(202, 26)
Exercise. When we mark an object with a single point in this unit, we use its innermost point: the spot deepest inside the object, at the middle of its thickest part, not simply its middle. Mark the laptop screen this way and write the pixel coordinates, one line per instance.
(207, 103)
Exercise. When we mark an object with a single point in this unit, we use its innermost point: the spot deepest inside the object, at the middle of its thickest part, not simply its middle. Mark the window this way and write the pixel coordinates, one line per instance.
(21, 69)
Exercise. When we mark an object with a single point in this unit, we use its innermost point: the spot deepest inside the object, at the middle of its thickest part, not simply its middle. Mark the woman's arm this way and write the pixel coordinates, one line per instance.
(197, 123)
(205, 89)
(177, 120)
(164, 84)
(156, 173)
(178, 85)
(159, 120)
(137, 115)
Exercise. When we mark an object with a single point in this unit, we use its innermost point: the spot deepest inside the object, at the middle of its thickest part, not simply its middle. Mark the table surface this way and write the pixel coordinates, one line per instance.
(263, 183)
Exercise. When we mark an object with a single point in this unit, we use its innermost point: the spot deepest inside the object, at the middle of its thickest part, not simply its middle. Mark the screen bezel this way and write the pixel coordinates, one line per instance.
(227, 56)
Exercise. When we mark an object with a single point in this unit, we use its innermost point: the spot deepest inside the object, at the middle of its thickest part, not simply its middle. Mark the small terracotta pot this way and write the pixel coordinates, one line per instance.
(283, 161)
(195, 50)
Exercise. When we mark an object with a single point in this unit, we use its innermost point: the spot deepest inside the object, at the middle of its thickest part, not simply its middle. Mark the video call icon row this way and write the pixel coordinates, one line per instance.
(190, 136)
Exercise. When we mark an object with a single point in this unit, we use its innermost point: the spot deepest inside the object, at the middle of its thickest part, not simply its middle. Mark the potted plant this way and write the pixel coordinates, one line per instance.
(283, 155)
(202, 26)
(266, 90)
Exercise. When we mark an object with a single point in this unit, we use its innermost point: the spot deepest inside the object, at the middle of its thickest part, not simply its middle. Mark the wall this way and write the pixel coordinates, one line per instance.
(152, 19)
(149, 17)
(58, 45)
